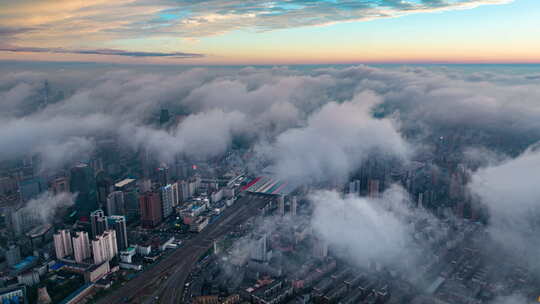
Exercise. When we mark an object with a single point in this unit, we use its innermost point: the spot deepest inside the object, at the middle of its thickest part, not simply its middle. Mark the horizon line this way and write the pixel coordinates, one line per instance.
(276, 64)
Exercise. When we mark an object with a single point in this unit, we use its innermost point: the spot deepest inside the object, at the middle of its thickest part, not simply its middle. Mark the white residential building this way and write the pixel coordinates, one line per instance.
(62, 243)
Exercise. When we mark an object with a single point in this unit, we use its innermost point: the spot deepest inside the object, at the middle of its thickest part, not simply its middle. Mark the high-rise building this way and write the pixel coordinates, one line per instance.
(354, 187)
(259, 251)
(294, 205)
(150, 206)
(59, 185)
(31, 188)
(13, 255)
(164, 116)
(167, 198)
(81, 246)
(163, 177)
(175, 194)
(373, 188)
(98, 222)
(131, 197)
(183, 187)
(104, 186)
(118, 224)
(62, 243)
(115, 203)
(83, 183)
(320, 248)
(281, 205)
(23, 219)
(104, 247)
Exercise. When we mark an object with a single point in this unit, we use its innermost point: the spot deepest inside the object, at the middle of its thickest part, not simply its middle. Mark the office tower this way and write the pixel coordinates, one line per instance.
(104, 247)
(45, 93)
(103, 187)
(115, 203)
(62, 243)
(175, 194)
(150, 206)
(84, 184)
(13, 255)
(320, 248)
(167, 200)
(163, 177)
(31, 188)
(130, 188)
(281, 205)
(118, 224)
(81, 246)
(164, 116)
(354, 187)
(373, 188)
(294, 205)
(259, 250)
(183, 188)
(98, 222)
(59, 185)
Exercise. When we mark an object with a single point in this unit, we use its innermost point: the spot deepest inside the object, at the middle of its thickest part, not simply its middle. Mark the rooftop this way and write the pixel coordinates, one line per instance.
(124, 182)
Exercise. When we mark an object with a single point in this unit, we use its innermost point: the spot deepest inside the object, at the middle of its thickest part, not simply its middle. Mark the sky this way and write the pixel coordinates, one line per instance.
(236, 32)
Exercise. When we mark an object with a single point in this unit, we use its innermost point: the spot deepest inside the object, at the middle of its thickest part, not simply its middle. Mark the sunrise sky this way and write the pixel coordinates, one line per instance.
(271, 32)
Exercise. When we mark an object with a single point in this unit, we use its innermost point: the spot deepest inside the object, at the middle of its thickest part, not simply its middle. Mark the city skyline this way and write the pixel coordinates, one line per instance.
(271, 32)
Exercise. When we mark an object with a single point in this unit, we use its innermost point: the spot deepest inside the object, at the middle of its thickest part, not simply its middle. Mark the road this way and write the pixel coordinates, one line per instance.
(167, 278)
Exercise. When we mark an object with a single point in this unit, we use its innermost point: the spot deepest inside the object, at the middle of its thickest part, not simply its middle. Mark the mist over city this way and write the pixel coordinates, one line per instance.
(268, 152)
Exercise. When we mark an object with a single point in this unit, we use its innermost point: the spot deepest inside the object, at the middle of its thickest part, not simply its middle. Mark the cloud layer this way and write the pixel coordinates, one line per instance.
(311, 124)
(510, 192)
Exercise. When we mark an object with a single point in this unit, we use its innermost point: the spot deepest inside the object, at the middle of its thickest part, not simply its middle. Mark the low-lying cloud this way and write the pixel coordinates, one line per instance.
(311, 124)
(511, 194)
(334, 142)
(371, 230)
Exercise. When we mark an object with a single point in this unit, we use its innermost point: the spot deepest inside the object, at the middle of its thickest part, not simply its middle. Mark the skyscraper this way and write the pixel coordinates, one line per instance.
(81, 246)
(129, 188)
(151, 214)
(354, 187)
(59, 185)
(175, 194)
(83, 183)
(183, 187)
(167, 198)
(164, 116)
(98, 222)
(103, 187)
(104, 247)
(62, 243)
(294, 205)
(115, 203)
(281, 205)
(373, 188)
(118, 224)
(31, 188)
(163, 176)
